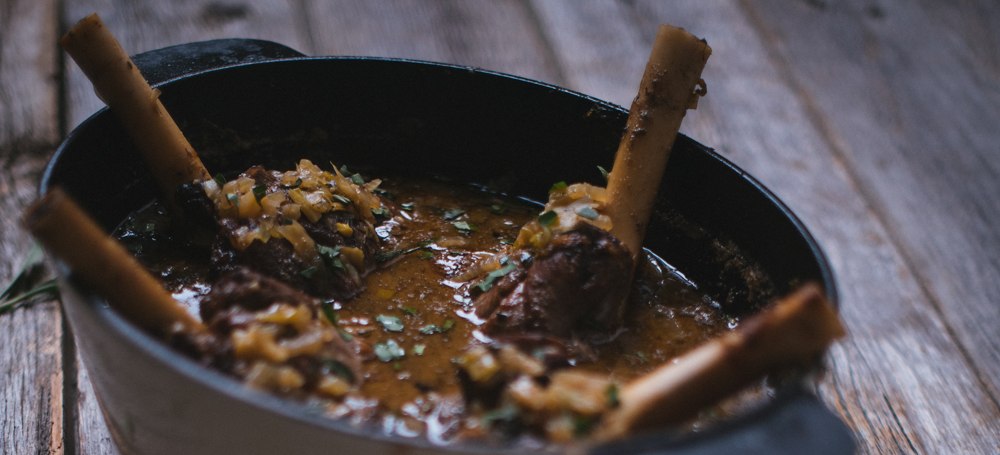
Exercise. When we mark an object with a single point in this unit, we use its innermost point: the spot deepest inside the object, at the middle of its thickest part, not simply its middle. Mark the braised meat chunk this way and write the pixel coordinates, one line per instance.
(311, 229)
(279, 338)
(576, 283)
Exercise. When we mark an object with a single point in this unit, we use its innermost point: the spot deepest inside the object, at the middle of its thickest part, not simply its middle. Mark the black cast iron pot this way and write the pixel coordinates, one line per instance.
(404, 116)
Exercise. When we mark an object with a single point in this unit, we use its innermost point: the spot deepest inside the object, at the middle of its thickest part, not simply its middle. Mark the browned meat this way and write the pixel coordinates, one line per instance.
(246, 301)
(577, 283)
(324, 276)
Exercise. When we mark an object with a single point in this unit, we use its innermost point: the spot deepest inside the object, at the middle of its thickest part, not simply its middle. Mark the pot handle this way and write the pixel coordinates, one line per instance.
(161, 65)
(794, 422)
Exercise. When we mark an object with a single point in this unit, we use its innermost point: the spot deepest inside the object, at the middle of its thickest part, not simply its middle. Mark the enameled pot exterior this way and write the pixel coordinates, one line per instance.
(470, 125)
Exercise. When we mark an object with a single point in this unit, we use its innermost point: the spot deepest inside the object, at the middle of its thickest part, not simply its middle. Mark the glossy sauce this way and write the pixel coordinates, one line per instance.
(447, 229)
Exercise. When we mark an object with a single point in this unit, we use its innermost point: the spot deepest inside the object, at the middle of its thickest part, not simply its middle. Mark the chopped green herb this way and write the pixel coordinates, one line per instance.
(408, 310)
(298, 182)
(149, 227)
(448, 325)
(396, 366)
(507, 241)
(339, 369)
(346, 336)
(220, 179)
(498, 209)
(546, 219)
(308, 273)
(604, 173)
(419, 349)
(388, 255)
(234, 199)
(587, 212)
(506, 414)
(452, 214)
(356, 178)
(288, 222)
(429, 329)
(381, 211)
(642, 356)
(464, 226)
(408, 207)
(612, 395)
(259, 192)
(389, 351)
(582, 425)
(341, 199)
(491, 277)
(343, 170)
(386, 194)
(557, 186)
(426, 255)
(390, 323)
(329, 313)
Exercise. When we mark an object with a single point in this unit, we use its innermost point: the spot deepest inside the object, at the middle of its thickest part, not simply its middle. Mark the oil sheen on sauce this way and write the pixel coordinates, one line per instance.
(447, 229)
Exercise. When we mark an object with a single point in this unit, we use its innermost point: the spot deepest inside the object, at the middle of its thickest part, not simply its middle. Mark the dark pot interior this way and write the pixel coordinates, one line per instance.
(467, 125)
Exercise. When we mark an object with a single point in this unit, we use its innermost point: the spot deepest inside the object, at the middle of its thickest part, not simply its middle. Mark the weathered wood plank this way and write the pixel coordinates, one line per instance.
(93, 436)
(908, 97)
(900, 381)
(31, 383)
(142, 26)
(495, 35)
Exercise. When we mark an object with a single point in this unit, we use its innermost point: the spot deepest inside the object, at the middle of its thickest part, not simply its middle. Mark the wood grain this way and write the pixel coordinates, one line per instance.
(31, 381)
(148, 25)
(761, 122)
(875, 122)
(495, 35)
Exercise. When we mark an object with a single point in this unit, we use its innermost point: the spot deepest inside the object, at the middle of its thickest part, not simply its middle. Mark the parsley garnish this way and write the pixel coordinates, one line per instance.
(389, 351)
(408, 310)
(426, 255)
(429, 329)
(390, 323)
(342, 199)
(452, 214)
(448, 325)
(329, 313)
(308, 273)
(612, 395)
(546, 219)
(604, 173)
(587, 212)
(419, 349)
(259, 192)
(465, 226)
(298, 182)
(487, 282)
(339, 369)
(234, 199)
(220, 179)
(557, 186)
(381, 211)
(288, 222)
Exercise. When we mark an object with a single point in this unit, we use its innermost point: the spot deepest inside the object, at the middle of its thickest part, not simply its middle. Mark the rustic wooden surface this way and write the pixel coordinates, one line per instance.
(877, 122)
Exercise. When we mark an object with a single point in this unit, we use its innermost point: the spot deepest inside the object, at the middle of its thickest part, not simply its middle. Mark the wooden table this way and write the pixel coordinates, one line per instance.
(878, 122)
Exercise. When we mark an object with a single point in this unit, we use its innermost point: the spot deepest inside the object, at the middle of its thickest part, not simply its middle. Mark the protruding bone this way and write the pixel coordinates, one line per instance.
(795, 331)
(118, 83)
(69, 234)
(670, 86)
